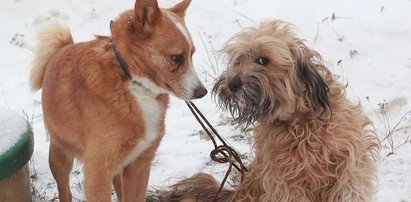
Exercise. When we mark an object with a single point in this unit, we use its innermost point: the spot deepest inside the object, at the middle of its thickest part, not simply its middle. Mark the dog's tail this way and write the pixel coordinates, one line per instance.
(51, 38)
(199, 188)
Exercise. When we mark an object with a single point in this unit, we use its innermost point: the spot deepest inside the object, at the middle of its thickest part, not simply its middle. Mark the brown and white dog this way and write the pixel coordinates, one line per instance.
(311, 143)
(113, 120)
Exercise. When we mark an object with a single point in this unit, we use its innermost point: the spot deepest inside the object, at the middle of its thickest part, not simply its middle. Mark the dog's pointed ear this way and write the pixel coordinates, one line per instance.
(147, 15)
(180, 8)
(317, 89)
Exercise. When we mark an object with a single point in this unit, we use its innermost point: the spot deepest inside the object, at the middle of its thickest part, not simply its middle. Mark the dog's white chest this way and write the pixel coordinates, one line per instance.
(152, 113)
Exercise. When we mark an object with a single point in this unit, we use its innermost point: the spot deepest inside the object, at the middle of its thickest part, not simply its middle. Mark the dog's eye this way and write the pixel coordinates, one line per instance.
(177, 58)
(262, 61)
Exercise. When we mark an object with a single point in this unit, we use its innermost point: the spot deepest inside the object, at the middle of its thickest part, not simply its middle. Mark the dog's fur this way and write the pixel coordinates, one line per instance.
(312, 144)
(94, 112)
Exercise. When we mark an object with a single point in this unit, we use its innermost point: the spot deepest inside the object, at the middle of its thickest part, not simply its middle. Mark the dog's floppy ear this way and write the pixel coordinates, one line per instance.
(317, 89)
(147, 14)
(180, 8)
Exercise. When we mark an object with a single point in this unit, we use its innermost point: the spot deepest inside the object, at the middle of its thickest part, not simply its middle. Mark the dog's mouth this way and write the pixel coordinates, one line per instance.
(246, 105)
(168, 87)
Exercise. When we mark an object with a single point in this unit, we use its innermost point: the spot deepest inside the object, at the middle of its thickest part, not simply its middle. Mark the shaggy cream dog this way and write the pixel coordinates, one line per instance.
(311, 143)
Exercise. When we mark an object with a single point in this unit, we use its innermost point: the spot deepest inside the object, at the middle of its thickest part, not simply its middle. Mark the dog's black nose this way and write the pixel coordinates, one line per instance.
(235, 84)
(200, 92)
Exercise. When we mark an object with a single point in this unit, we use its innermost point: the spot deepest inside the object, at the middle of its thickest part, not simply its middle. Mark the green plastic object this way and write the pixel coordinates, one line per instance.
(18, 155)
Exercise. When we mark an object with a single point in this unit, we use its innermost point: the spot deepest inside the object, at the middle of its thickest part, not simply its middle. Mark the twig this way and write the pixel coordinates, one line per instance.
(19, 41)
(206, 73)
(405, 142)
(244, 16)
(238, 23)
(395, 128)
(391, 131)
(372, 108)
(340, 38)
(214, 67)
(318, 32)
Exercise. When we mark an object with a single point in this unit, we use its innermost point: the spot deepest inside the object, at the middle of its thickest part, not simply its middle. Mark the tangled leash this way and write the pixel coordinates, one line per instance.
(222, 153)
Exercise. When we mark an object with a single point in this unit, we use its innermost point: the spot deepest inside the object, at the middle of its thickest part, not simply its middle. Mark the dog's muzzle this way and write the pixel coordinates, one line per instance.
(235, 84)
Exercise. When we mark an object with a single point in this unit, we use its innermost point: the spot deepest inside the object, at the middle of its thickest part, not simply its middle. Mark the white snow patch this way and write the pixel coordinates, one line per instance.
(12, 127)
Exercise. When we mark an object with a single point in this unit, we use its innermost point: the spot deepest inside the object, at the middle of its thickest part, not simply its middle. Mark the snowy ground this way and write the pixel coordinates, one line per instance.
(366, 42)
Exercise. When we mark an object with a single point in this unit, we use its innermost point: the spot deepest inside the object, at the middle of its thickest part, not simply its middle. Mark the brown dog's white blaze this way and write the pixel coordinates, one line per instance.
(191, 86)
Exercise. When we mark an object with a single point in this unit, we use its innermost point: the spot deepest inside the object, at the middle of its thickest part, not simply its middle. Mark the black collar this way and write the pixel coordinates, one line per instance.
(120, 59)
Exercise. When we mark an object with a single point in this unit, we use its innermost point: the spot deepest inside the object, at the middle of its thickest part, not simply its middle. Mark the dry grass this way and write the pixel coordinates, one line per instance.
(392, 128)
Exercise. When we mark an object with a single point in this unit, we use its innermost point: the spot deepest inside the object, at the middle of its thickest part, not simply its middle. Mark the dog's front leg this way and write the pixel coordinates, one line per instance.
(97, 181)
(136, 175)
(118, 186)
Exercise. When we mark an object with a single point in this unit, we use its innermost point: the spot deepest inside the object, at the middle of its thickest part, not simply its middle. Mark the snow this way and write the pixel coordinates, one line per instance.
(376, 33)
(12, 127)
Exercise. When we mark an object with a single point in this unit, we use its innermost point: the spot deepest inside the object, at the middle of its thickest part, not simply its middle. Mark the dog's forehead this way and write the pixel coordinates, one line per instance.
(247, 47)
(180, 26)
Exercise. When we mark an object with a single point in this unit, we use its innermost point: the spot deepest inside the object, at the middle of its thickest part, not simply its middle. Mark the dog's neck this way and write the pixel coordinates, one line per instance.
(136, 82)
(120, 59)
(147, 86)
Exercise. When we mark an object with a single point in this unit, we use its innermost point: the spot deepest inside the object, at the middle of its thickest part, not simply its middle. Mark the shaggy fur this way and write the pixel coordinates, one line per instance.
(311, 143)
